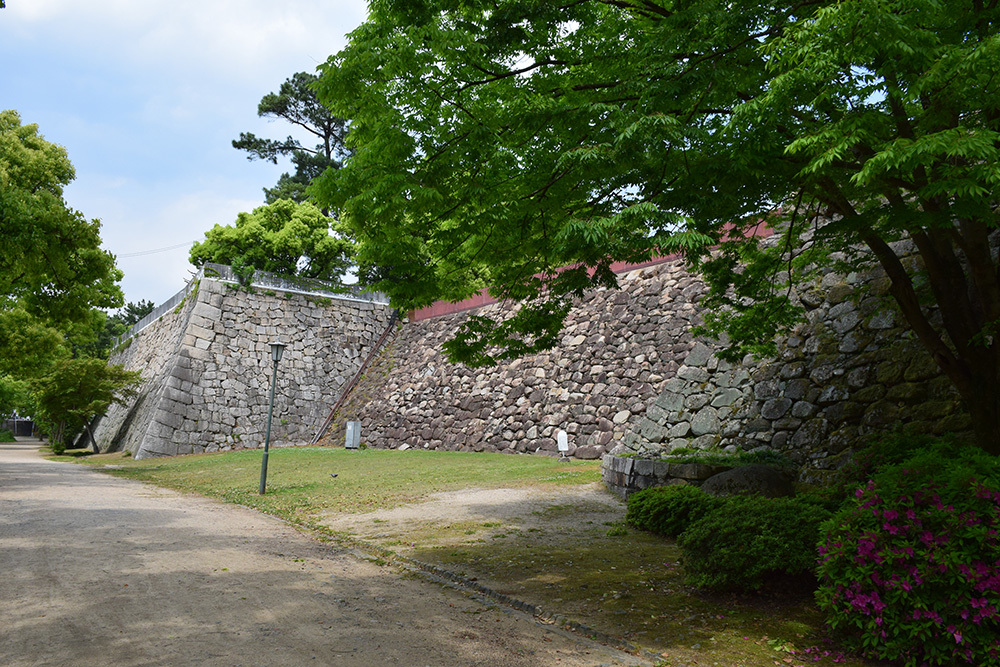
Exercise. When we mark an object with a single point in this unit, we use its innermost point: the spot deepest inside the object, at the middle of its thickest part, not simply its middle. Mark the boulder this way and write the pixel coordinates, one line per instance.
(589, 452)
(758, 480)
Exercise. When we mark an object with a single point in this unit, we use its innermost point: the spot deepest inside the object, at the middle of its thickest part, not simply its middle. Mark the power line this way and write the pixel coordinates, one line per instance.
(152, 252)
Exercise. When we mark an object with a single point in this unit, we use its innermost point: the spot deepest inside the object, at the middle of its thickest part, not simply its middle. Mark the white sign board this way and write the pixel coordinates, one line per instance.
(562, 440)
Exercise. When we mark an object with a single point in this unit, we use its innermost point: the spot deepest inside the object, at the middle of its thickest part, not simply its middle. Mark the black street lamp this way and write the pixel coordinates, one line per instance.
(277, 348)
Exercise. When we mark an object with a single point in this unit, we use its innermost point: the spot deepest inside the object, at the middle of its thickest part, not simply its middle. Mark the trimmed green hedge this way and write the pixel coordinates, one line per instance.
(746, 539)
(668, 510)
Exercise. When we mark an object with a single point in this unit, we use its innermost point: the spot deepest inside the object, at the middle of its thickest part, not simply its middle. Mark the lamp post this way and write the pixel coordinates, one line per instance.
(277, 348)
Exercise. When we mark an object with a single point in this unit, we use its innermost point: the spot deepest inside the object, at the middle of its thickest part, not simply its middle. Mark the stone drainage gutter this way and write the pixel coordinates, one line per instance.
(486, 594)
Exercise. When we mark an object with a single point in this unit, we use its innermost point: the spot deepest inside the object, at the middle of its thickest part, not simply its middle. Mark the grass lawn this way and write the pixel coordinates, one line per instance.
(564, 559)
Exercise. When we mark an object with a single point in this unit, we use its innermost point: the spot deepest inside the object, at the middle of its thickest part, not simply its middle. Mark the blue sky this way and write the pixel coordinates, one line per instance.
(147, 95)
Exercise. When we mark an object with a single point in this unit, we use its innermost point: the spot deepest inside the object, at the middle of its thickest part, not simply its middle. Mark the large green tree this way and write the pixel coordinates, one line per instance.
(74, 391)
(53, 265)
(54, 279)
(54, 276)
(497, 141)
(296, 103)
(283, 237)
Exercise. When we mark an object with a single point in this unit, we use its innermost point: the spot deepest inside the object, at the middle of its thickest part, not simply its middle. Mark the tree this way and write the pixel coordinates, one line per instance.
(75, 391)
(131, 313)
(54, 278)
(54, 273)
(498, 141)
(53, 265)
(14, 395)
(296, 103)
(283, 237)
(113, 326)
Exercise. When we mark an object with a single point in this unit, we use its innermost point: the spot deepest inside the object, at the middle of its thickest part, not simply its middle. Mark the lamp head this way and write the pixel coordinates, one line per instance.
(277, 348)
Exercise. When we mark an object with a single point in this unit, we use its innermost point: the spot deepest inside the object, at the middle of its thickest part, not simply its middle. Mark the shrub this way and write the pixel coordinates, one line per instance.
(6, 436)
(886, 451)
(668, 510)
(913, 565)
(746, 539)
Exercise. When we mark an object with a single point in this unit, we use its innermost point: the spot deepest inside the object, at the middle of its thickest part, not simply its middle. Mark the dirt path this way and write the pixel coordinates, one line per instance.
(99, 570)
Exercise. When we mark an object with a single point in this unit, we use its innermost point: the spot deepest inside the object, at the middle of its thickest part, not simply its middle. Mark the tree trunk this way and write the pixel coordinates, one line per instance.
(93, 440)
(965, 355)
(983, 403)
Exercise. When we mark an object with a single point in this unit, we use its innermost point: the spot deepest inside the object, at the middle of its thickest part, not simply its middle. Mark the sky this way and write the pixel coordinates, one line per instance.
(147, 95)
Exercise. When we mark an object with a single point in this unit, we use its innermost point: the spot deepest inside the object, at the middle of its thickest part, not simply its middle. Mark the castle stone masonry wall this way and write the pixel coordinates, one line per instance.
(207, 369)
(617, 351)
(628, 379)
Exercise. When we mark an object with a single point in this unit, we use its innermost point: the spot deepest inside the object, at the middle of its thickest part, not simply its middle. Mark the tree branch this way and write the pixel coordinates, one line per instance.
(901, 288)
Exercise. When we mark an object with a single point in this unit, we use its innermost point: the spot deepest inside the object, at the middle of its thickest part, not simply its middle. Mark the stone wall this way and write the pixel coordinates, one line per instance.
(851, 370)
(628, 378)
(153, 353)
(623, 475)
(207, 369)
(618, 350)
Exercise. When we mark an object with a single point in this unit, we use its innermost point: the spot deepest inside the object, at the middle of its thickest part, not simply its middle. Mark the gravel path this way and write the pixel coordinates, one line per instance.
(104, 571)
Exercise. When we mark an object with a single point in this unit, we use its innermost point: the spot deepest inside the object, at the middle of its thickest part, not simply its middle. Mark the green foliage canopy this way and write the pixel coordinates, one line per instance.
(53, 264)
(498, 141)
(75, 390)
(54, 276)
(284, 237)
(113, 326)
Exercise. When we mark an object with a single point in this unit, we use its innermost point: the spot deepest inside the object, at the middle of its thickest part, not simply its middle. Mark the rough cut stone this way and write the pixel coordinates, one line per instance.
(705, 422)
(726, 397)
(589, 452)
(693, 374)
(775, 408)
(698, 356)
(621, 417)
(692, 471)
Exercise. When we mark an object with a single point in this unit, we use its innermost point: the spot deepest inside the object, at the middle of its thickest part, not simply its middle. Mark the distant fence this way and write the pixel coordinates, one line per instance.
(263, 280)
(21, 428)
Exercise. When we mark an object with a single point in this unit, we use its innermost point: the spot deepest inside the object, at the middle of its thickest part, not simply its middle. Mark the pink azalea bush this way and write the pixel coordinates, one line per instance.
(910, 570)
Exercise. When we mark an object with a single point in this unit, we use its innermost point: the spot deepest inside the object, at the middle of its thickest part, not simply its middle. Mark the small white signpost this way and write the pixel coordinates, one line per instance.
(562, 441)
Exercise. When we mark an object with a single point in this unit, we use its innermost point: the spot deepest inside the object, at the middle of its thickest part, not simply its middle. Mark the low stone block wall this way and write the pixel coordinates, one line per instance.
(624, 475)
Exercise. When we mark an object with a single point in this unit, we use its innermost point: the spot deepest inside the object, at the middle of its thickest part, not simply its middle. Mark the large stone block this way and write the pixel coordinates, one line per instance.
(706, 422)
